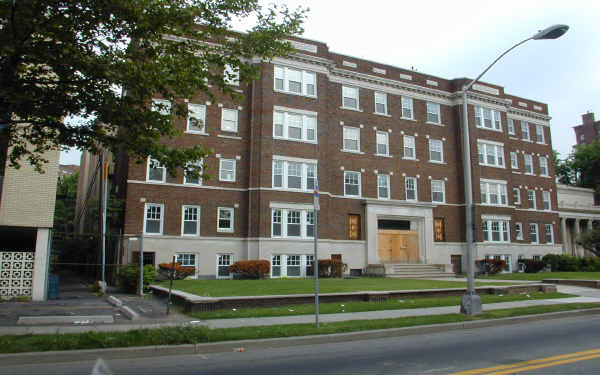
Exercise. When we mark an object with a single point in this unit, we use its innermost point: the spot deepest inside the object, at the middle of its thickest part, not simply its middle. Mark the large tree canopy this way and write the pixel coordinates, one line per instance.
(104, 60)
(585, 162)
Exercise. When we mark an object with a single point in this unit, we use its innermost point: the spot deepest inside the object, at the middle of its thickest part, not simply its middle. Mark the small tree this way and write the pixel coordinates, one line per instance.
(590, 240)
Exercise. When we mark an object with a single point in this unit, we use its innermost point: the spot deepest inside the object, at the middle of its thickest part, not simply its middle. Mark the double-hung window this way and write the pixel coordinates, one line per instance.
(225, 219)
(436, 150)
(294, 174)
(382, 140)
(433, 113)
(188, 177)
(223, 263)
(493, 193)
(407, 108)
(229, 120)
(514, 162)
(350, 97)
(294, 81)
(410, 185)
(533, 233)
(528, 163)
(190, 220)
(488, 118)
(525, 131)
(381, 103)
(227, 170)
(539, 134)
(383, 186)
(292, 222)
(518, 231)
(511, 126)
(186, 259)
(549, 233)
(155, 171)
(516, 196)
(351, 139)
(196, 118)
(546, 200)
(543, 166)
(161, 106)
(531, 198)
(294, 126)
(352, 185)
(490, 154)
(438, 191)
(495, 231)
(153, 222)
(409, 147)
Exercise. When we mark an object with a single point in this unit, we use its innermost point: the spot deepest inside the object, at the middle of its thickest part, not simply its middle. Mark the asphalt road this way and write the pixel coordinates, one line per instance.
(559, 346)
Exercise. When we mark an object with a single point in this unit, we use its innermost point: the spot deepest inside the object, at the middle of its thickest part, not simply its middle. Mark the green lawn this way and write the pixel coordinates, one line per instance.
(341, 307)
(223, 288)
(547, 275)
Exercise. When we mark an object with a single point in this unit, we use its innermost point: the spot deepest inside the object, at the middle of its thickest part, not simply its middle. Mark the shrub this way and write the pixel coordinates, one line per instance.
(179, 272)
(332, 268)
(553, 260)
(490, 266)
(533, 265)
(568, 263)
(251, 269)
(128, 277)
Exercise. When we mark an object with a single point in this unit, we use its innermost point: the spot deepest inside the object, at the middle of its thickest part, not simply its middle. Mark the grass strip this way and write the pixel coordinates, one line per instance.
(341, 307)
(547, 275)
(193, 335)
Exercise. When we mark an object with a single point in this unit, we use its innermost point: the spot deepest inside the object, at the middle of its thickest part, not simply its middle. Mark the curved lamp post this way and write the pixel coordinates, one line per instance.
(471, 302)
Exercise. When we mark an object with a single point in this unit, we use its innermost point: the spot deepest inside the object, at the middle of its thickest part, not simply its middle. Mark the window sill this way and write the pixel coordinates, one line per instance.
(408, 119)
(512, 136)
(195, 132)
(155, 182)
(225, 230)
(278, 188)
(189, 184)
(153, 234)
(515, 172)
(353, 152)
(229, 136)
(295, 140)
(545, 176)
(352, 196)
(529, 174)
(494, 205)
(384, 155)
(438, 202)
(436, 162)
(492, 166)
(382, 114)
(413, 159)
(526, 140)
(230, 181)
(541, 143)
(190, 236)
(435, 123)
(352, 109)
(491, 129)
(295, 93)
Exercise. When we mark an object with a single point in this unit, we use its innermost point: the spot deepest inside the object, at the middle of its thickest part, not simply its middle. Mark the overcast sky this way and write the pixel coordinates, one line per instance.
(452, 39)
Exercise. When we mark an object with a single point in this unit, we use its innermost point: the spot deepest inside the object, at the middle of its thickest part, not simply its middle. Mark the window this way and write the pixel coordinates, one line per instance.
(581, 137)
(225, 219)
(490, 154)
(187, 260)
(382, 140)
(549, 233)
(153, 224)
(293, 265)
(525, 131)
(514, 162)
(409, 147)
(543, 166)
(546, 200)
(516, 196)
(196, 118)
(533, 233)
(380, 103)
(528, 162)
(518, 231)
(439, 229)
(299, 223)
(353, 227)
(231, 75)
(411, 188)
(383, 186)
(539, 134)
(350, 97)
(531, 198)
(294, 175)
(309, 265)
(407, 108)
(223, 263)
(352, 184)
(438, 191)
(189, 179)
(227, 170)
(436, 150)
(495, 231)
(295, 81)
(161, 106)
(229, 120)
(155, 171)
(351, 139)
(276, 266)
(488, 118)
(433, 113)
(190, 221)
(294, 126)
(511, 126)
(493, 193)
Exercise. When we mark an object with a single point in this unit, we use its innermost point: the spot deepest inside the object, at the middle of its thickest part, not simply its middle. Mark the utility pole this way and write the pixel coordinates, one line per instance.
(104, 211)
(316, 256)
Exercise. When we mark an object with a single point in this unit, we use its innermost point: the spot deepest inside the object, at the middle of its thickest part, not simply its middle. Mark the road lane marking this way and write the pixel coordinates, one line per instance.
(493, 370)
(544, 365)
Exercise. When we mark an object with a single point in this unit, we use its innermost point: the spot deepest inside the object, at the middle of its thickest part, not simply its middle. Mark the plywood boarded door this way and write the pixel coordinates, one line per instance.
(398, 246)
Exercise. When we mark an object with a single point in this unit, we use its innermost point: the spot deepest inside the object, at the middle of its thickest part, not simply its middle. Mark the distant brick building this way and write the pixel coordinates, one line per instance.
(384, 144)
(588, 131)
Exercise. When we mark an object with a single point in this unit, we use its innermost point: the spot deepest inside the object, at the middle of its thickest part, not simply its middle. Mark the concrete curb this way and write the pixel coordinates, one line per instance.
(230, 346)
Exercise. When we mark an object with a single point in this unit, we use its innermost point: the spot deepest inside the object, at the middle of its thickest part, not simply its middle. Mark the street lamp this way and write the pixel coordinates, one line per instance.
(471, 302)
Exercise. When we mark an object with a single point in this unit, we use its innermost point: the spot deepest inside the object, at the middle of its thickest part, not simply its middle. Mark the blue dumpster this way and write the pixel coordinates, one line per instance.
(53, 287)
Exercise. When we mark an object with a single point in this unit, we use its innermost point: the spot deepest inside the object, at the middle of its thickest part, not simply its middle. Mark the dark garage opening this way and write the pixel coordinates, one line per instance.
(393, 224)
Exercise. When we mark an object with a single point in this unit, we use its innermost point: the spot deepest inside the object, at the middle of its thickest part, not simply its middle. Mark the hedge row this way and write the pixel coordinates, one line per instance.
(568, 263)
(490, 266)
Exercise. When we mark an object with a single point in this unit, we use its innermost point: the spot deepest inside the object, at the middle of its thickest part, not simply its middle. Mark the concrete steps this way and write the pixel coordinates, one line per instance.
(416, 271)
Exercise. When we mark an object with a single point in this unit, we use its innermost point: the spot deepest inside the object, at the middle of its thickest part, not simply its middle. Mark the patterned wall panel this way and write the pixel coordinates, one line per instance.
(16, 274)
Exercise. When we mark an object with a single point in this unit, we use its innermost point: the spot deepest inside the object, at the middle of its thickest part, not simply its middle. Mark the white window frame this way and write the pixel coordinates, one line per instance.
(433, 109)
(503, 230)
(161, 213)
(199, 163)
(433, 145)
(484, 148)
(383, 182)
(281, 165)
(531, 199)
(197, 221)
(187, 260)
(489, 188)
(517, 195)
(408, 141)
(196, 113)
(549, 234)
(539, 134)
(514, 160)
(225, 122)
(351, 92)
(232, 171)
(220, 259)
(158, 166)
(231, 228)
(308, 124)
(544, 166)
(308, 79)
(481, 118)
(386, 136)
(231, 75)
(166, 110)
(547, 200)
(528, 164)
(381, 99)
(306, 219)
(358, 183)
(525, 131)
(519, 231)
(352, 134)
(440, 188)
(407, 106)
(533, 231)
(511, 126)
(411, 181)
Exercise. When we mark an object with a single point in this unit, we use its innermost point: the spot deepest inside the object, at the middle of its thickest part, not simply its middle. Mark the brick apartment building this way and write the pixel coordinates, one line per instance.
(384, 144)
(588, 131)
